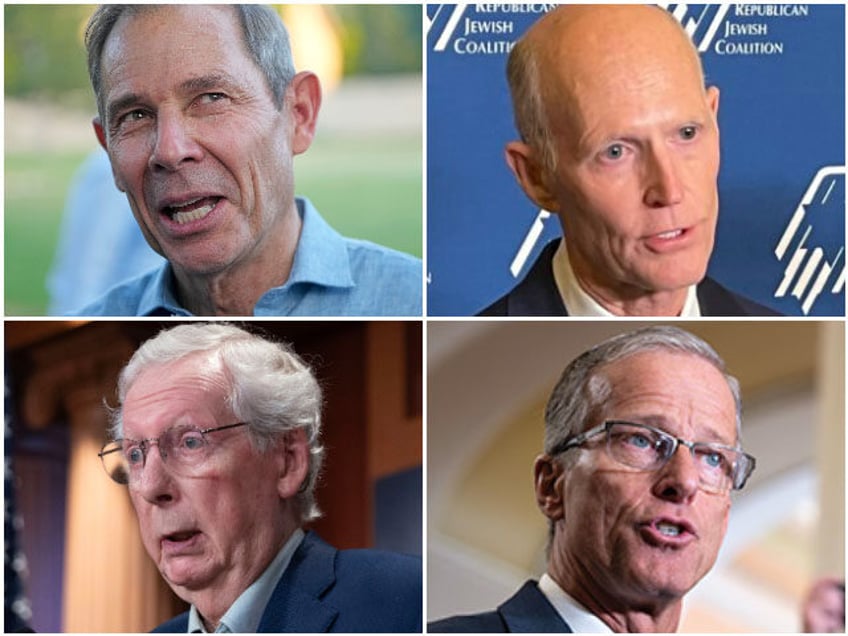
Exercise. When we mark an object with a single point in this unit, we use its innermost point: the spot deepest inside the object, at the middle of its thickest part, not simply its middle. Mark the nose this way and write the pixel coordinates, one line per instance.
(155, 483)
(663, 187)
(678, 480)
(174, 144)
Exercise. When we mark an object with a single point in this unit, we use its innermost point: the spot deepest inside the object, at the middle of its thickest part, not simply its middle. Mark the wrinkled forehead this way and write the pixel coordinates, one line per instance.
(164, 393)
(147, 32)
(681, 392)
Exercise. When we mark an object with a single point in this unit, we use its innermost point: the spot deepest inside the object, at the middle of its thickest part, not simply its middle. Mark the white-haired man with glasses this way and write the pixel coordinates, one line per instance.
(642, 449)
(217, 438)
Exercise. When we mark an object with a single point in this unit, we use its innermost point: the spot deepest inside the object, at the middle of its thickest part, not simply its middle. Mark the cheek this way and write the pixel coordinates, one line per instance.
(146, 527)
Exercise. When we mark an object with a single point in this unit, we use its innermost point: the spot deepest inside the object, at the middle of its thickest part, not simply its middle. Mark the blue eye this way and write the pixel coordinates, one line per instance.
(640, 441)
(714, 459)
(134, 455)
(614, 152)
(192, 442)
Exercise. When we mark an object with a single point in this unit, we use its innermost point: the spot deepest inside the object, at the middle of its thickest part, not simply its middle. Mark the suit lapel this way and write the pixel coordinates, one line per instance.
(296, 604)
(537, 294)
(528, 611)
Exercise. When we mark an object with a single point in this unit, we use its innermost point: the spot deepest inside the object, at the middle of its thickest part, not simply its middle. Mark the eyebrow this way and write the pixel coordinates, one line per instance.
(120, 104)
(711, 435)
(191, 85)
(206, 82)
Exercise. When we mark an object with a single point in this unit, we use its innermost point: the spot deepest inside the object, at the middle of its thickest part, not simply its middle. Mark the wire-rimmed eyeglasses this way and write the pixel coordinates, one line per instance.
(183, 448)
(720, 467)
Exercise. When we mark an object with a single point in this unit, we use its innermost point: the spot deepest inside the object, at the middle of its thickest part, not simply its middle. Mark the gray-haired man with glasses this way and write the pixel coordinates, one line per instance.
(642, 449)
(217, 438)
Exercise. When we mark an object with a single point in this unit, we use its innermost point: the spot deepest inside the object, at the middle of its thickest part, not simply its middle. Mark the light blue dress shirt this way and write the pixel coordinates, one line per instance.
(331, 276)
(245, 614)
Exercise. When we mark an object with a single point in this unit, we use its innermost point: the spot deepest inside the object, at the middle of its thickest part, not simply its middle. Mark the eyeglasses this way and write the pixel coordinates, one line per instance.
(184, 449)
(720, 467)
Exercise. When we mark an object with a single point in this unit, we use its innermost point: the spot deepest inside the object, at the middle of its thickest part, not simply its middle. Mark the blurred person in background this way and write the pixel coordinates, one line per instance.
(824, 607)
(96, 214)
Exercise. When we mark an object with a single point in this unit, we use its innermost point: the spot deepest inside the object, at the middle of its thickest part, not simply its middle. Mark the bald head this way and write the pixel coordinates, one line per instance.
(620, 140)
(579, 55)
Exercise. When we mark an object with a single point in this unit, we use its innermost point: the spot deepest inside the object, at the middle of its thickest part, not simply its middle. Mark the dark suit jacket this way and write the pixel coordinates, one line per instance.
(537, 295)
(329, 590)
(527, 611)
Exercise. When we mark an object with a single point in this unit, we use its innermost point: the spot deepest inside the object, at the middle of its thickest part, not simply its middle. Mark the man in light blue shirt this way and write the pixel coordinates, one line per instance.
(201, 113)
(331, 274)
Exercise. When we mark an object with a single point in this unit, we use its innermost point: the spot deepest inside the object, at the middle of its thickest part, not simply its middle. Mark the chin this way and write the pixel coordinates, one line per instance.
(677, 276)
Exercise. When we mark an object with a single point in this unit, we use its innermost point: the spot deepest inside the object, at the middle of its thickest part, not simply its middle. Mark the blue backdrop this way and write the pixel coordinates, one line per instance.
(781, 228)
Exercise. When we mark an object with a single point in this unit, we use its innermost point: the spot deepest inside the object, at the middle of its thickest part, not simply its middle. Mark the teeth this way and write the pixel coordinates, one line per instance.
(192, 215)
(668, 529)
(670, 235)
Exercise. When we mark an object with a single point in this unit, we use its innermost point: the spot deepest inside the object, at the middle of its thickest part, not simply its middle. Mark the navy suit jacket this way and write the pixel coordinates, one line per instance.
(527, 611)
(329, 590)
(537, 295)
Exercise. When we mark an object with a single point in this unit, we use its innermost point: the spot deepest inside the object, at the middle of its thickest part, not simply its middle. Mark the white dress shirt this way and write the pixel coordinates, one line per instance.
(579, 303)
(578, 618)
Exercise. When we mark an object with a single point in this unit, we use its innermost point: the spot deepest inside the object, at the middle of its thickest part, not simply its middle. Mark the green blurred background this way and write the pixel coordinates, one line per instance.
(363, 171)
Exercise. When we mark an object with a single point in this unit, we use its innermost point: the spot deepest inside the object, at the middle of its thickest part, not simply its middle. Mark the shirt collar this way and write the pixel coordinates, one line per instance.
(321, 258)
(245, 614)
(579, 303)
(577, 617)
(159, 295)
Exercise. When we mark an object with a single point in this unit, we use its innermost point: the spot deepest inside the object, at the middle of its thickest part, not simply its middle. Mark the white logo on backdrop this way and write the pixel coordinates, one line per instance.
(809, 270)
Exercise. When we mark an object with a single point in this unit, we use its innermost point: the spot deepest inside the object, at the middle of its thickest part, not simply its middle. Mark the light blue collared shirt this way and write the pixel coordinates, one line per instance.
(245, 614)
(331, 276)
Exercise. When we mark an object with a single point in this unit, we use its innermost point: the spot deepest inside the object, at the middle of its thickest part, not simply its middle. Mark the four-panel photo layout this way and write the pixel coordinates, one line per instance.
(424, 318)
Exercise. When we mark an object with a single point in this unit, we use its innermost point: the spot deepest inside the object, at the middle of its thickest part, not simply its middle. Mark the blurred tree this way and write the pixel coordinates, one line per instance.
(44, 53)
(381, 38)
(45, 56)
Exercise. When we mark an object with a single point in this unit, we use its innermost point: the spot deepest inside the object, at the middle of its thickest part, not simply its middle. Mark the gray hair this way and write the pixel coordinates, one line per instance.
(531, 120)
(265, 38)
(271, 388)
(578, 399)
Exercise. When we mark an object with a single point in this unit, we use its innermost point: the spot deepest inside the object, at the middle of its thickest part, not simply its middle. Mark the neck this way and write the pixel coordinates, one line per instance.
(639, 303)
(621, 299)
(213, 600)
(610, 603)
(235, 290)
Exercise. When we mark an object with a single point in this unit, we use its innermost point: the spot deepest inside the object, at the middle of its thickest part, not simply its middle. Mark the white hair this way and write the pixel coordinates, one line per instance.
(271, 388)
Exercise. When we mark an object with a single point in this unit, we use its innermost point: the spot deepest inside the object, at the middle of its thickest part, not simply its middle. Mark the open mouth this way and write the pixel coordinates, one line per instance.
(181, 537)
(193, 210)
(665, 532)
(665, 236)
(669, 529)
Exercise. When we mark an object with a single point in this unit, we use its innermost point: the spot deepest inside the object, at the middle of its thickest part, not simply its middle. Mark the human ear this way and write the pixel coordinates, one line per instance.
(293, 462)
(101, 137)
(304, 102)
(548, 476)
(713, 95)
(528, 170)
(99, 132)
